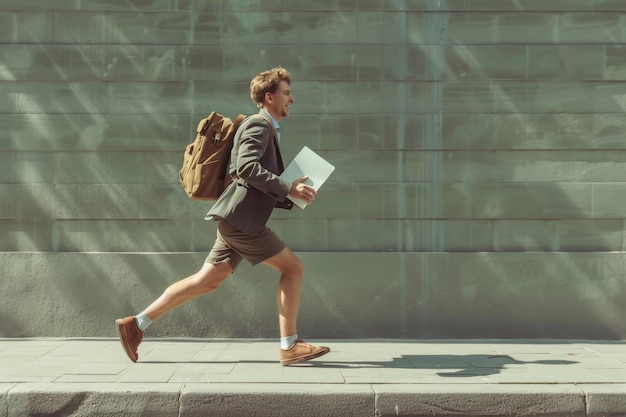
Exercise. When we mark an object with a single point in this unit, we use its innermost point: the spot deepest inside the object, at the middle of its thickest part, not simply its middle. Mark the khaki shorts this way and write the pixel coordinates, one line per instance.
(232, 245)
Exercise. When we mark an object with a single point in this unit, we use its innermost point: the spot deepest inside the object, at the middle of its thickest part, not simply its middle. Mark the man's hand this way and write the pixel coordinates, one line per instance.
(302, 191)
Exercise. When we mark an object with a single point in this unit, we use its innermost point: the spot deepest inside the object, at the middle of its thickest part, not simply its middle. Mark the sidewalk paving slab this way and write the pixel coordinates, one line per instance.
(242, 377)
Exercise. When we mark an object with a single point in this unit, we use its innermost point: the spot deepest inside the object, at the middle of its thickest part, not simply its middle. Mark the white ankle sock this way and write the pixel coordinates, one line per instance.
(287, 342)
(143, 321)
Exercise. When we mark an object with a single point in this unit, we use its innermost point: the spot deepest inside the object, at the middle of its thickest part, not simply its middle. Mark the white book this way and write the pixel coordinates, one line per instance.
(307, 163)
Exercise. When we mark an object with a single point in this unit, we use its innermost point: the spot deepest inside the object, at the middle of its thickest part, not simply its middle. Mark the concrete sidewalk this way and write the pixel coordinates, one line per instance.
(236, 377)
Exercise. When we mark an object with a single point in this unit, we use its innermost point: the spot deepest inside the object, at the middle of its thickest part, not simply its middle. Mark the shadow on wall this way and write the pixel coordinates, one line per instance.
(9, 327)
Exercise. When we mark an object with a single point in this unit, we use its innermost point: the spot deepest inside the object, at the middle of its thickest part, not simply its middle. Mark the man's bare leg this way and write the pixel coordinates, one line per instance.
(205, 281)
(288, 301)
(289, 288)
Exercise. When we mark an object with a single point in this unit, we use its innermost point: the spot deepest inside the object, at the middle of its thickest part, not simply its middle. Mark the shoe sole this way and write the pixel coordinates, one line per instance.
(121, 332)
(292, 361)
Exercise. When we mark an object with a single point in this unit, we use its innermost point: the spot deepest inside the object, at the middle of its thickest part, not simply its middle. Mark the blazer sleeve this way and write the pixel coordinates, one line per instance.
(253, 145)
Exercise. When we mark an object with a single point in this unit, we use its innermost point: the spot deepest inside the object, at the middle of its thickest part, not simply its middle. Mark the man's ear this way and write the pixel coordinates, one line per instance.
(268, 97)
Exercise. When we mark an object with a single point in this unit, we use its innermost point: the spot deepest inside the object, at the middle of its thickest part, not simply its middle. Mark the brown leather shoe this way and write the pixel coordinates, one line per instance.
(130, 336)
(300, 352)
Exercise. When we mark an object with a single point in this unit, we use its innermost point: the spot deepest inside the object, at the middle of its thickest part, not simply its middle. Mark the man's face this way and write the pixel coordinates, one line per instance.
(278, 104)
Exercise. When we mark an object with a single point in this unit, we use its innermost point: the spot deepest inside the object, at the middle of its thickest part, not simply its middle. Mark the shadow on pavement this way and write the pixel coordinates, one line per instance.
(449, 365)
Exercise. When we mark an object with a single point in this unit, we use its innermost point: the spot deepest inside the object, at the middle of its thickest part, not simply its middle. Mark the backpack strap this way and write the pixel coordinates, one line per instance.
(239, 119)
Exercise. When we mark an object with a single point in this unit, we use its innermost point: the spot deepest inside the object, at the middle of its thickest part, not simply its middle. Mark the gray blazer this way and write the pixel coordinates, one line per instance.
(256, 163)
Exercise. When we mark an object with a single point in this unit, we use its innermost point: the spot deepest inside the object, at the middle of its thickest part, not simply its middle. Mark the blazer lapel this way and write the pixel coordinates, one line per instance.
(279, 156)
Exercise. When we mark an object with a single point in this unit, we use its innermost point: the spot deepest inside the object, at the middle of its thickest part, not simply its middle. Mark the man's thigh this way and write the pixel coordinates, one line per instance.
(285, 262)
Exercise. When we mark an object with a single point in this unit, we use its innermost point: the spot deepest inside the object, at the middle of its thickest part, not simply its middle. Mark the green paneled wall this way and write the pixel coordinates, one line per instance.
(484, 131)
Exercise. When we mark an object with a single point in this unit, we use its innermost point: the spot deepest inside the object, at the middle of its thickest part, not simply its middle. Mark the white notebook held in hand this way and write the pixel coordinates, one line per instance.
(307, 163)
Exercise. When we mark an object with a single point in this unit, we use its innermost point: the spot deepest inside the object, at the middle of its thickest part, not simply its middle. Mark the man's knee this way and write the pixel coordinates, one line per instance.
(287, 263)
(211, 276)
(294, 269)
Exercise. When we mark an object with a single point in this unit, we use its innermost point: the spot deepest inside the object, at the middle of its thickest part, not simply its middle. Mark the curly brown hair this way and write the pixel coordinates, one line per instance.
(267, 82)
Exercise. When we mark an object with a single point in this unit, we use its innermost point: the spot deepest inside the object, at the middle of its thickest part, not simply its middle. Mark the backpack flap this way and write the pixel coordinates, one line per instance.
(206, 160)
